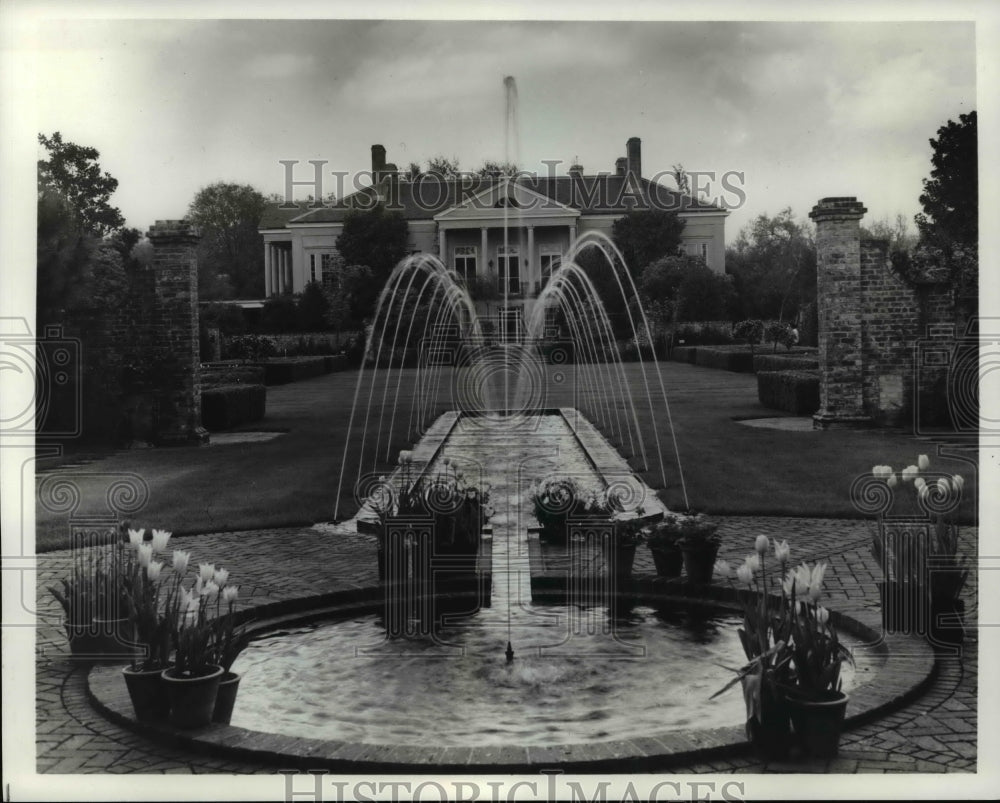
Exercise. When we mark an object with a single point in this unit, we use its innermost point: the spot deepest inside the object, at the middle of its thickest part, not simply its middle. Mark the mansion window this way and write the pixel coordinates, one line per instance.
(509, 269)
(549, 259)
(465, 261)
(327, 264)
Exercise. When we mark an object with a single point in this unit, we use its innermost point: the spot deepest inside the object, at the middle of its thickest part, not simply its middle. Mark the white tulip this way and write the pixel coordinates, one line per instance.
(145, 554)
(943, 486)
(220, 577)
(723, 569)
(760, 545)
(206, 571)
(923, 462)
(160, 538)
(892, 482)
(153, 570)
(229, 593)
(181, 560)
(782, 551)
(135, 538)
(822, 615)
(959, 482)
(753, 561)
(910, 473)
(744, 574)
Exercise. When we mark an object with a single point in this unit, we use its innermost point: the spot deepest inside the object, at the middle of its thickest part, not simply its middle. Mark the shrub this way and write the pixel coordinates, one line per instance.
(251, 347)
(780, 334)
(784, 362)
(725, 359)
(283, 370)
(749, 331)
(231, 405)
(792, 391)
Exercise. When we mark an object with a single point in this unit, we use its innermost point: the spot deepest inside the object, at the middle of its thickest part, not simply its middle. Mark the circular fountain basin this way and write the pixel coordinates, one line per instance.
(341, 697)
(643, 672)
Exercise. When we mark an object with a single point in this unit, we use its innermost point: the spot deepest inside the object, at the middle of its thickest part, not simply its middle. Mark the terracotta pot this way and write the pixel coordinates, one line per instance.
(699, 563)
(148, 693)
(226, 697)
(192, 700)
(619, 559)
(818, 723)
(668, 562)
(771, 734)
(946, 622)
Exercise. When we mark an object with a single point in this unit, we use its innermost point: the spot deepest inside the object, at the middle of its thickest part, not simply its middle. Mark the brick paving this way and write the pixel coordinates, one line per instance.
(935, 733)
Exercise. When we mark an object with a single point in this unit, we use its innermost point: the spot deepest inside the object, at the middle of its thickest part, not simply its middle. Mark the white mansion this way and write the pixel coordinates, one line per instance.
(513, 233)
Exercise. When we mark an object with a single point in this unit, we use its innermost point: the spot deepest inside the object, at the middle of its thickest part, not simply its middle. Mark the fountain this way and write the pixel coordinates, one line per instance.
(497, 666)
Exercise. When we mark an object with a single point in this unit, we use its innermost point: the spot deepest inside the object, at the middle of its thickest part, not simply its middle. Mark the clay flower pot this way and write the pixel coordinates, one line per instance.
(818, 723)
(192, 699)
(699, 562)
(225, 700)
(668, 562)
(148, 693)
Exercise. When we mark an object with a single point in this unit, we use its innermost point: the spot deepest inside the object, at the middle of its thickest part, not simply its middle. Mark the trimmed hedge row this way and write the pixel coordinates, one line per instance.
(231, 405)
(785, 362)
(217, 376)
(727, 360)
(792, 391)
(282, 370)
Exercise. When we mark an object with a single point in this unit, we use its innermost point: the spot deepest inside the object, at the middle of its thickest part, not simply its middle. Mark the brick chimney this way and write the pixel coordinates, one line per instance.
(621, 165)
(378, 163)
(634, 150)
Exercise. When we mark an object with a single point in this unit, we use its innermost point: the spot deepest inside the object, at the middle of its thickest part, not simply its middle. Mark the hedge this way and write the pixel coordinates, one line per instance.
(726, 359)
(785, 362)
(231, 405)
(219, 375)
(792, 391)
(684, 353)
(282, 370)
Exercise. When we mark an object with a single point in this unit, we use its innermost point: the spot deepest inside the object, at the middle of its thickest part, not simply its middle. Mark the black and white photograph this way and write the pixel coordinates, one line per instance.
(494, 402)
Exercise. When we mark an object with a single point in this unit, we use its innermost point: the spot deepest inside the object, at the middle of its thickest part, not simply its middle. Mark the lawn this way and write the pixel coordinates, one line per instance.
(728, 468)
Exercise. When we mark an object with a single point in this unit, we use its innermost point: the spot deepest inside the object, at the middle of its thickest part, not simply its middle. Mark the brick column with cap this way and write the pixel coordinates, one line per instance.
(175, 271)
(839, 300)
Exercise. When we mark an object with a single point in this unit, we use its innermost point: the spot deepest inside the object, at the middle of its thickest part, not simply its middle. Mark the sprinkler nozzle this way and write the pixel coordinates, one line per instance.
(509, 653)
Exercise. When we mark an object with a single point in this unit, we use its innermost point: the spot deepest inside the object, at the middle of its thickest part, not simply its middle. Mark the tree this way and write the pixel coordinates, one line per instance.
(348, 296)
(493, 169)
(773, 265)
(684, 288)
(376, 238)
(950, 199)
(231, 253)
(443, 166)
(312, 308)
(645, 236)
(72, 172)
(896, 232)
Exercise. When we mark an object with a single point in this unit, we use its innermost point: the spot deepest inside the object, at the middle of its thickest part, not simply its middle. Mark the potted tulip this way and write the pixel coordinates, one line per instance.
(764, 637)
(816, 702)
(142, 581)
(227, 642)
(619, 548)
(193, 682)
(559, 498)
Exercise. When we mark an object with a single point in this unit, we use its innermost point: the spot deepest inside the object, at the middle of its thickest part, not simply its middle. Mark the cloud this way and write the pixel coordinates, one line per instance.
(279, 66)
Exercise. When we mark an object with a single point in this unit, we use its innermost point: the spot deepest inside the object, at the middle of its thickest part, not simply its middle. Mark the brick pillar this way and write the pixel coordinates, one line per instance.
(839, 298)
(175, 274)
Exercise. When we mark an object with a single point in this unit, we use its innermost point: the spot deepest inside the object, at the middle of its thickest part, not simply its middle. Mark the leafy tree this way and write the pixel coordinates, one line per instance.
(312, 308)
(231, 253)
(443, 166)
(951, 195)
(349, 297)
(684, 288)
(493, 169)
(72, 171)
(280, 314)
(773, 265)
(896, 232)
(377, 239)
(645, 236)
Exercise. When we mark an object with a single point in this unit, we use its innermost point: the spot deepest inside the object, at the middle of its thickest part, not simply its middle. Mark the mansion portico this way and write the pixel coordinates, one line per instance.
(504, 235)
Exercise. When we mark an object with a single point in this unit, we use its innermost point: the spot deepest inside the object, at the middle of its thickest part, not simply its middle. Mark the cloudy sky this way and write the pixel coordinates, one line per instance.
(803, 110)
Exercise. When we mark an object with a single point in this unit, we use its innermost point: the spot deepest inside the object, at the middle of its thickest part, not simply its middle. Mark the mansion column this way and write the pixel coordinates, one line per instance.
(441, 244)
(530, 261)
(572, 233)
(481, 268)
(267, 271)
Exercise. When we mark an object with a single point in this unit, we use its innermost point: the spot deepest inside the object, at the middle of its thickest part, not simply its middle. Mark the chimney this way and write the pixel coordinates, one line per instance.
(378, 163)
(620, 166)
(634, 150)
(576, 170)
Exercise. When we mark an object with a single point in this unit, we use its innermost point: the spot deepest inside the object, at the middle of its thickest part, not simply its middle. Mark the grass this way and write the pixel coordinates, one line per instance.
(292, 480)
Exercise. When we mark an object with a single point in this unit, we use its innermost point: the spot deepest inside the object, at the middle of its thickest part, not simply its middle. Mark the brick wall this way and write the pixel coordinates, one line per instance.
(174, 332)
(872, 324)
